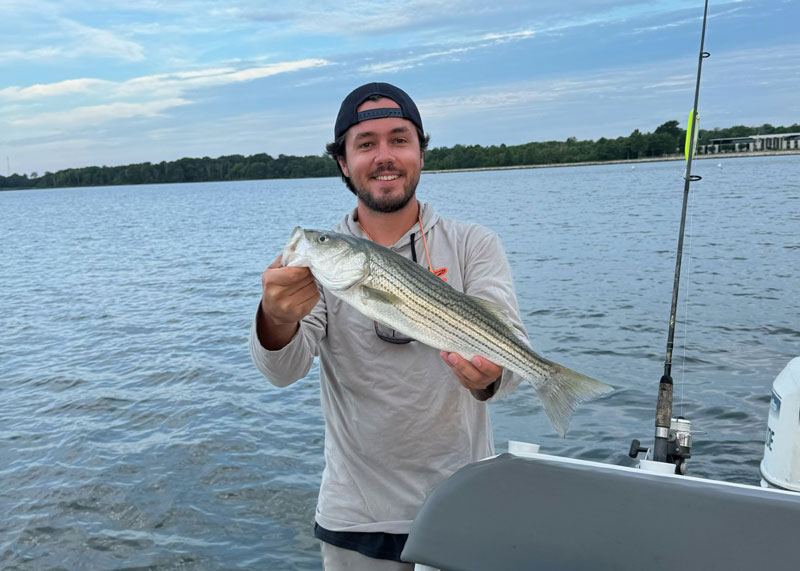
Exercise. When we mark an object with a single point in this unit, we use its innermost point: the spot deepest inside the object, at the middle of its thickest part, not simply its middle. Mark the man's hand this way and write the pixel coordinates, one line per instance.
(476, 375)
(287, 295)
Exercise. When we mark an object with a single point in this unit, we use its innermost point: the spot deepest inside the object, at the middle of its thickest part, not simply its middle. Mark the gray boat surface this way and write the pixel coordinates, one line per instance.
(546, 512)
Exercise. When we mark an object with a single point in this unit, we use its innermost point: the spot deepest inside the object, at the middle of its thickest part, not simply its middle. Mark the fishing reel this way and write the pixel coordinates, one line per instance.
(678, 444)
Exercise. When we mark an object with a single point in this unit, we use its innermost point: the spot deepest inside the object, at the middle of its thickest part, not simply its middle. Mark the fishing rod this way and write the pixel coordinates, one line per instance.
(672, 435)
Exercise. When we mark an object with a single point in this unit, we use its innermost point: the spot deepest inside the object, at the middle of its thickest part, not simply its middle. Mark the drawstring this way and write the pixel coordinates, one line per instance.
(438, 272)
(441, 271)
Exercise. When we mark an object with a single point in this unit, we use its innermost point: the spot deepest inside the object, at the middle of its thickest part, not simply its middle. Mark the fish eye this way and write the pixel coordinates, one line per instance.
(322, 238)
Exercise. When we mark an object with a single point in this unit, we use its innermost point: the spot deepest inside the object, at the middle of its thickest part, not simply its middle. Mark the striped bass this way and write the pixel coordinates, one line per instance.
(405, 296)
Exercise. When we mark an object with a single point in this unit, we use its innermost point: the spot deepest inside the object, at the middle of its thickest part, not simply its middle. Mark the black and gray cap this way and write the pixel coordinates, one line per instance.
(348, 116)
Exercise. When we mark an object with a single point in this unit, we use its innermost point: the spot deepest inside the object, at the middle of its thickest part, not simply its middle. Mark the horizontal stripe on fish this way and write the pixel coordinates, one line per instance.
(405, 296)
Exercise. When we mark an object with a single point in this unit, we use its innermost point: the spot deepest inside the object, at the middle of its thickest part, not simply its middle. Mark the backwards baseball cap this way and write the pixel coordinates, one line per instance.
(348, 116)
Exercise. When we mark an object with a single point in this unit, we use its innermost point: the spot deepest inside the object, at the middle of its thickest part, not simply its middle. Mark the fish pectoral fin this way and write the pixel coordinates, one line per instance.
(495, 309)
(380, 296)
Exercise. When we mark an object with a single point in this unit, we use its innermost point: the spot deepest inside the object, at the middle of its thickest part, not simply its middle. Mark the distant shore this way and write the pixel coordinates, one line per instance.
(625, 161)
(677, 157)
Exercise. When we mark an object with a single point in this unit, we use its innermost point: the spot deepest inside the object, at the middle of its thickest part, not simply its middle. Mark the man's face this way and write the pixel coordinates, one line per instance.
(384, 159)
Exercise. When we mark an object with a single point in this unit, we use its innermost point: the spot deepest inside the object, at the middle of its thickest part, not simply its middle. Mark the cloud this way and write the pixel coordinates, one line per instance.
(69, 86)
(77, 105)
(48, 36)
(244, 134)
(177, 83)
(494, 27)
(87, 40)
(613, 101)
(44, 54)
(397, 65)
(497, 64)
(777, 66)
(462, 46)
(527, 95)
(444, 20)
(694, 19)
(360, 18)
(96, 114)
(681, 82)
(509, 36)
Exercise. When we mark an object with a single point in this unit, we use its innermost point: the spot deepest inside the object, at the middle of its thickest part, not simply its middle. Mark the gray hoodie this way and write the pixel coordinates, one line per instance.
(397, 421)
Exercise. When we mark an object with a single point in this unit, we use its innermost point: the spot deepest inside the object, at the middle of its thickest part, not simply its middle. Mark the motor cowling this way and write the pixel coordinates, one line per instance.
(780, 467)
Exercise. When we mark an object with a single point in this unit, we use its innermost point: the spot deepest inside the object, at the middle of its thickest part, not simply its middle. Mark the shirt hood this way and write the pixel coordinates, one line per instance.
(427, 214)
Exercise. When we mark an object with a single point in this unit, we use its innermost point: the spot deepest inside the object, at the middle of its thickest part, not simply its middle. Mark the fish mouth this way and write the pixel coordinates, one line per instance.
(290, 249)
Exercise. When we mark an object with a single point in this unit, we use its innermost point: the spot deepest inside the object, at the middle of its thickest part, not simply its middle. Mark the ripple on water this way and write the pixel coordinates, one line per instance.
(136, 433)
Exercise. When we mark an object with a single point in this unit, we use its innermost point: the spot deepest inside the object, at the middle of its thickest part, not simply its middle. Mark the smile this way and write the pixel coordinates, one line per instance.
(387, 177)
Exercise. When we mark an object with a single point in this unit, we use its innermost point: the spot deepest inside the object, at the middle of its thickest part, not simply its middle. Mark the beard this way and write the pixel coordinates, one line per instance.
(386, 203)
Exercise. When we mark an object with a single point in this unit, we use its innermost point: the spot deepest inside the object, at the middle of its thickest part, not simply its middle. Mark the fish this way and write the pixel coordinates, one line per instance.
(399, 293)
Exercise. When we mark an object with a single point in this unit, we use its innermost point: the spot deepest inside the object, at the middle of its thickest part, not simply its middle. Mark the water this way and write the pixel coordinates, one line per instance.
(135, 433)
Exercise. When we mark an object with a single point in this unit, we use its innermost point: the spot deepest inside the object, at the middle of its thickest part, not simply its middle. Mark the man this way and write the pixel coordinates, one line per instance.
(399, 416)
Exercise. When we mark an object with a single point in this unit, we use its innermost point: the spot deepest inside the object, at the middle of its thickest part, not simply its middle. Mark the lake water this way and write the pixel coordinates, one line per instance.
(135, 433)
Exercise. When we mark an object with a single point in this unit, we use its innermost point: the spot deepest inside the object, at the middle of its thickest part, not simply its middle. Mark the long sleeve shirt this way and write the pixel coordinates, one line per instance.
(397, 420)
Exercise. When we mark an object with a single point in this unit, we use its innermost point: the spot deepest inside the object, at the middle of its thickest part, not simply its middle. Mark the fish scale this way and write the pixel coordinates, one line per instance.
(402, 294)
(454, 321)
(418, 309)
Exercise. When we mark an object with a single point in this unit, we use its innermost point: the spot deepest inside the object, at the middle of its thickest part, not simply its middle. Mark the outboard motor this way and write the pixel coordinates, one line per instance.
(780, 467)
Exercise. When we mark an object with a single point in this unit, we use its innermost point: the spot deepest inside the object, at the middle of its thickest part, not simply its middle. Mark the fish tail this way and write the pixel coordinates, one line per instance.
(563, 391)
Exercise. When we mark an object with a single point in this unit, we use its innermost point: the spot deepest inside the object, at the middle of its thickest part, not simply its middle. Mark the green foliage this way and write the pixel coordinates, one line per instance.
(667, 139)
(232, 167)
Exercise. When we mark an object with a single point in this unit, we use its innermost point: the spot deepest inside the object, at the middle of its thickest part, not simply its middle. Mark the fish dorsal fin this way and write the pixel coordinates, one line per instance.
(495, 309)
(380, 296)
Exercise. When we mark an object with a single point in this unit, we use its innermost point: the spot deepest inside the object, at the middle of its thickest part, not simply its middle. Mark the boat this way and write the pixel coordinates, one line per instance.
(525, 510)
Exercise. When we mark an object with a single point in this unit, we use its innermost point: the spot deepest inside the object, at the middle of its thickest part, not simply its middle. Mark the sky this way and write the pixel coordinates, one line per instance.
(86, 83)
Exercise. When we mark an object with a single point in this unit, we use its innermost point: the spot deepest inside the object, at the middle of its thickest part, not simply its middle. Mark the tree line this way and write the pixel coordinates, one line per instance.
(231, 167)
(667, 139)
